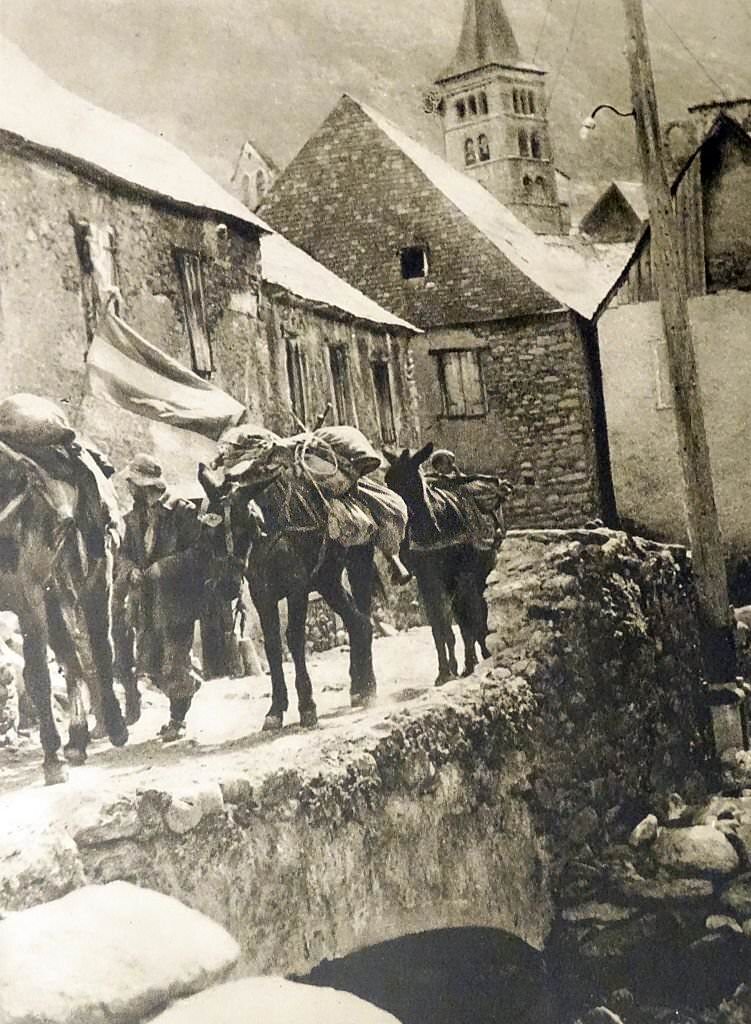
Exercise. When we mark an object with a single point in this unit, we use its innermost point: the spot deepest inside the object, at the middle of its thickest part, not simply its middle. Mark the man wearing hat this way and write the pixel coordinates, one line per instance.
(159, 585)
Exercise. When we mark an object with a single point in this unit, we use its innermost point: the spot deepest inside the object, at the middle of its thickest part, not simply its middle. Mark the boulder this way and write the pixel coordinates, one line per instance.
(36, 865)
(737, 896)
(189, 807)
(645, 832)
(273, 1001)
(697, 850)
(106, 953)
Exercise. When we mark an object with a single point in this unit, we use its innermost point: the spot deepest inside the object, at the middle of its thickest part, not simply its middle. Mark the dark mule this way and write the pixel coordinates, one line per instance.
(56, 575)
(282, 561)
(449, 568)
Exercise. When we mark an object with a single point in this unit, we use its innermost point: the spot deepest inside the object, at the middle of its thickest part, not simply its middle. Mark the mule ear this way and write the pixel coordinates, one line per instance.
(424, 454)
(390, 457)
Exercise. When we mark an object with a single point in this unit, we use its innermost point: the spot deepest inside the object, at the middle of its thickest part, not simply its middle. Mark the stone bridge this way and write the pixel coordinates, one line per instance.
(435, 809)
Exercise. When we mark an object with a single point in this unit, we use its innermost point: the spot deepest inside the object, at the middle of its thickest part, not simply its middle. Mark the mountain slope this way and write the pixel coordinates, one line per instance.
(209, 73)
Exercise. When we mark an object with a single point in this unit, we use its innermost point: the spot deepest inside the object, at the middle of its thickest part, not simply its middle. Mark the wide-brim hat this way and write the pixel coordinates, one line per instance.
(143, 471)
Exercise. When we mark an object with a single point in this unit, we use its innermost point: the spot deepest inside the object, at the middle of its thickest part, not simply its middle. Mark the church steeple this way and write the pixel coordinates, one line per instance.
(487, 38)
(495, 120)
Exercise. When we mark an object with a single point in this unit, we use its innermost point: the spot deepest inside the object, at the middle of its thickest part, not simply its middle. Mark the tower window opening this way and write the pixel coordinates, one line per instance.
(527, 183)
(536, 146)
(414, 262)
(541, 189)
(469, 152)
(472, 104)
(517, 102)
(531, 102)
(523, 143)
(523, 101)
(483, 99)
(260, 185)
(483, 148)
(461, 109)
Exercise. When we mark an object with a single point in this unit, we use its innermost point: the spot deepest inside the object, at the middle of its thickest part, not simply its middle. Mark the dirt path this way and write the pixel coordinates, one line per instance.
(226, 720)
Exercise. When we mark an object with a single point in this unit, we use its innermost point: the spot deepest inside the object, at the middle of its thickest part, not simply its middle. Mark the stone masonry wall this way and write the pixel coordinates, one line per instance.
(42, 321)
(538, 430)
(603, 627)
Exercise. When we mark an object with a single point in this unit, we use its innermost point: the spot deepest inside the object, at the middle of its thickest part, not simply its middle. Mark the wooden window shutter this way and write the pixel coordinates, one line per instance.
(189, 265)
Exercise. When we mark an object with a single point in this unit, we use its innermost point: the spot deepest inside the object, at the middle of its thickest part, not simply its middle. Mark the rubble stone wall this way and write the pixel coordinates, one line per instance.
(539, 427)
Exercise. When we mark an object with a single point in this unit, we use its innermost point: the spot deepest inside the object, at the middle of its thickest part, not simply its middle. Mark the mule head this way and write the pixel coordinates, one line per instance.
(227, 533)
(403, 474)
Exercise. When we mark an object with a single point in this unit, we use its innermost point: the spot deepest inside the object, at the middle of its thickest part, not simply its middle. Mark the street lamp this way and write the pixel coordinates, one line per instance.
(588, 124)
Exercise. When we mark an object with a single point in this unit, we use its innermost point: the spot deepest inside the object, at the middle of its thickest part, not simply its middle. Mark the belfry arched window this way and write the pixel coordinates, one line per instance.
(461, 109)
(523, 143)
(483, 148)
(536, 146)
(541, 189)
(472, 105)
(469, 152)
(483, 101)
(531, 102)
(517, 102)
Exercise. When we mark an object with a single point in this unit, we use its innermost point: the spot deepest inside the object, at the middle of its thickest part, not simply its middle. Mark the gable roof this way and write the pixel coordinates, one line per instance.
(39, 111)
(486, 38)
(573, 274)
(635, 195)
(286, 265)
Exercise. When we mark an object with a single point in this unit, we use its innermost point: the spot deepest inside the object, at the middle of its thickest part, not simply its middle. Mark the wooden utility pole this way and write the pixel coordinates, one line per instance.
(718, 640)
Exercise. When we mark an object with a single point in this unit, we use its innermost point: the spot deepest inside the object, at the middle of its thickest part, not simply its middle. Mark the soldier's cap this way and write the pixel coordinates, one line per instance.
(143, 471)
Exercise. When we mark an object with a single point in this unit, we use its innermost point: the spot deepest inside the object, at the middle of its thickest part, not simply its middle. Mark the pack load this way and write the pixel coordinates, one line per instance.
(30, 421)
(325, 482)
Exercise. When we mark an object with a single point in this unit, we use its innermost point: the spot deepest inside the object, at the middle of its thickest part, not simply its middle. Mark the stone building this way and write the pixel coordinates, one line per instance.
(507, 368)
(713, 198)
(253, 175)
(90, 201)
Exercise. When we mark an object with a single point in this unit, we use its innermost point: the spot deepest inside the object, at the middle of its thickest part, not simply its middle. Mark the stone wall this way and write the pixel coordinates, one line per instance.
(603, 628)
(539, 428)
(43, 322)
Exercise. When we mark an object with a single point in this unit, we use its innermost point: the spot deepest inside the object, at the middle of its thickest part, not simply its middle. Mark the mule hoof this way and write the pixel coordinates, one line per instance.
(485, 651)
(273, 723)
(99, 731)
(362, 700)
(133, 714)
(74, 756)
(468, 671)
(120, 738)
(443, 678)
(172, 732)
(55, 772)
(309, 718)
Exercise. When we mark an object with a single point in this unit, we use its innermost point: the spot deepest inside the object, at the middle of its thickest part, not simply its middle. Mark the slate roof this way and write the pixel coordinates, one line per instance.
(573, 274)
(286, 265)
(486, 38)
(38, 110)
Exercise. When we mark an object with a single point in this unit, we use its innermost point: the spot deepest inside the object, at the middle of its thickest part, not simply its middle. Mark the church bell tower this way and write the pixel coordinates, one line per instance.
(495, 123)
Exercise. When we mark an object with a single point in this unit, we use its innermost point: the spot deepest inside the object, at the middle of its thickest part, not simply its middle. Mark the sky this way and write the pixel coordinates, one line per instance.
(209, 73)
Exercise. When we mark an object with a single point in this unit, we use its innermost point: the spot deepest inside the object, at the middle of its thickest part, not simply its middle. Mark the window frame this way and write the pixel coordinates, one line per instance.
(340, 378)
(388, 431)
(198, 333)
(297, 379)
(466, 408)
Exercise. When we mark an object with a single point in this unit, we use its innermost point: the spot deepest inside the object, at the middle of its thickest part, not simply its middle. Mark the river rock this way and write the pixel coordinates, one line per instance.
(716, 922)
(737, 896)
(634, 886)
(599, 913)
(36, 865)
(107, 953)
(190, 807)
(645, 832)
(273, 1001)
(697, 850)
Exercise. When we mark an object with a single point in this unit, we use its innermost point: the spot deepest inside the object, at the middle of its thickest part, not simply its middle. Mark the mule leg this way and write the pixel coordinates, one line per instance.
(268, 613)
(60, 626)
(33, 622)
(359, 628)
(96, 602)
(297, 611)
(124, 651)
(436, 610)
(467, 612)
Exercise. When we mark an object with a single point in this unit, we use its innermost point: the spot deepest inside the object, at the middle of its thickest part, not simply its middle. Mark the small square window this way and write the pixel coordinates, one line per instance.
(414, 260)
(462, 385)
